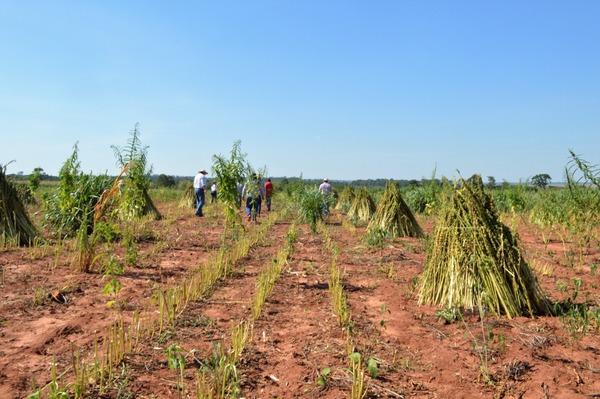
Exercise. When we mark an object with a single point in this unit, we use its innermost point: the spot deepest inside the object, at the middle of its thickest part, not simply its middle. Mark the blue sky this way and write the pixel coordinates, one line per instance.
(343, 89)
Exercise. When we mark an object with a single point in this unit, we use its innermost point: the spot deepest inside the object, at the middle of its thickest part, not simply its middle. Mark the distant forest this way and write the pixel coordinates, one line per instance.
(163, 180)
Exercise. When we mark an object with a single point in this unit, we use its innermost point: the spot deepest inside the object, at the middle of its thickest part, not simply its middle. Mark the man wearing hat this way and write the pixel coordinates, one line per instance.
(199, 185)
(326, 189)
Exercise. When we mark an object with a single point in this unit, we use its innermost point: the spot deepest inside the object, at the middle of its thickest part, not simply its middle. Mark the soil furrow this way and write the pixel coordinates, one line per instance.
(297, 335)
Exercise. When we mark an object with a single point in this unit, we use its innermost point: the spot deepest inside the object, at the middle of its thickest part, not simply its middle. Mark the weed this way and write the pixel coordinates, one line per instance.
(449, 315)
(388, 270)
(376, 237)
(575, 316)
(176, 362)
(40, 296)
(373, 368)
(383, 310)
(322, 379)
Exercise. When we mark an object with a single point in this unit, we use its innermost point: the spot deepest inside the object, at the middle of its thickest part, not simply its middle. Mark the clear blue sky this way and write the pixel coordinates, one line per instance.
(343, 89)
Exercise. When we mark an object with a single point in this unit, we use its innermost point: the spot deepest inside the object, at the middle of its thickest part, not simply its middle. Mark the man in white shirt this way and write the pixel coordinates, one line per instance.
(326, 189)
(199, 186)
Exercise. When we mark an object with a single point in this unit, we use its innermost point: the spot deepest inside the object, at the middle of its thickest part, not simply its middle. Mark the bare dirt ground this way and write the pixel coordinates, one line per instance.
(297, 335)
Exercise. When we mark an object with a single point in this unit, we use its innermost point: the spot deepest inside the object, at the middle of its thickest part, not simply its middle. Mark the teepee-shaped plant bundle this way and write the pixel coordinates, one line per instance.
(346, 198)
(14, 221)
(473, 259)
(188, 199)
(363, 206)
(393, 216)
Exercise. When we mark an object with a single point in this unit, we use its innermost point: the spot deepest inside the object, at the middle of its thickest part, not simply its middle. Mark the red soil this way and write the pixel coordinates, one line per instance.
(297, 334)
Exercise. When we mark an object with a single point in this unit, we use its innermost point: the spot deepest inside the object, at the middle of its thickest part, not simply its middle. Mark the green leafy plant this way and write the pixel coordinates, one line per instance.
(322, 379)
(384, 310)
(135, 200)
(112, 267)
(176, 362)
(373, 368)
(230, 173)
(312, 205)
(575, 316)
(131, 249)
(71, 205)
(376, 237)
(449, 315)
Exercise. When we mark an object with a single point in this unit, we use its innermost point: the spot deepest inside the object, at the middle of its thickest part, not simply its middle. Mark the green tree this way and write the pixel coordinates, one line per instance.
(491, 184)
(34, 179)
(165, 181)
(541, 180)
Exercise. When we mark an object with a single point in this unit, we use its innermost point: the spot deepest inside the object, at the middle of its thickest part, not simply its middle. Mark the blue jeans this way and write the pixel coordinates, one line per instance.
(199, 201)
(252, 203)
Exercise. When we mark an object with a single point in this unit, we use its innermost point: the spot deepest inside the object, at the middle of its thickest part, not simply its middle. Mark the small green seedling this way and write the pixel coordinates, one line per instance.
(322, 379)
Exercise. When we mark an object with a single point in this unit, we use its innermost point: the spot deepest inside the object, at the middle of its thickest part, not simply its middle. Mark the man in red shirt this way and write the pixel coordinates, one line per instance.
(268, 193)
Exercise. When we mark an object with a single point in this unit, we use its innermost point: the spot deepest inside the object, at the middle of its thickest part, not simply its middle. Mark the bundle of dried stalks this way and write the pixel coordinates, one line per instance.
(188, 200)
(14, 220)
(346, 198)
(473, 259)
(393, 216)
(363, 206)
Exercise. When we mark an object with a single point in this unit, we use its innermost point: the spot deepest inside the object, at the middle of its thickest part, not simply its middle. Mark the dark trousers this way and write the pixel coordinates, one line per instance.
(199, 201)
(252, 202)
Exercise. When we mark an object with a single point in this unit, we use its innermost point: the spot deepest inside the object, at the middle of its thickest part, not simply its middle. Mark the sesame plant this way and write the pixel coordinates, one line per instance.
(312, 205)
(176, 362)
(230, 174)
(135, 199)
(359, 386)
(70, 207)
(583, 223)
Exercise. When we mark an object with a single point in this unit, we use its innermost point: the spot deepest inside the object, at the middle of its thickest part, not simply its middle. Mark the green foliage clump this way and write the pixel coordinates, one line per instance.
(230, 173)
(135, 200)
(71, 205)
(313, 205)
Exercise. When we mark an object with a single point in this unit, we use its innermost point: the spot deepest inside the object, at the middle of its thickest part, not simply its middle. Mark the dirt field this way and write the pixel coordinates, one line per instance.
(297, 335)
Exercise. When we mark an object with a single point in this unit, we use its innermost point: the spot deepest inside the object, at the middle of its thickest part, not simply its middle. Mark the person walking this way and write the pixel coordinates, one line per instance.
(213, 192)
(326, 189)
(199, 186)
(268, 193)
(252, 193)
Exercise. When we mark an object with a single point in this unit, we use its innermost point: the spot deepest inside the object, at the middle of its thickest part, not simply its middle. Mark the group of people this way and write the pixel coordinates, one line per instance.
(252, 193)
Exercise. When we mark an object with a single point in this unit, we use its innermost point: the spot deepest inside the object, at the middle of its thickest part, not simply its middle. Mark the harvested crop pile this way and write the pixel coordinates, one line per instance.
(188, 200)
(363, 206)
(14, 221)
(393, 216)
(473, 259)
(346, 198)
